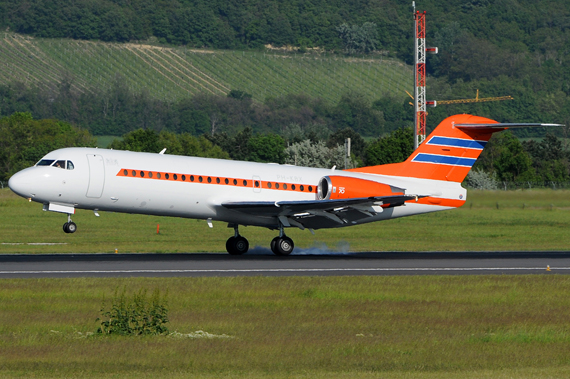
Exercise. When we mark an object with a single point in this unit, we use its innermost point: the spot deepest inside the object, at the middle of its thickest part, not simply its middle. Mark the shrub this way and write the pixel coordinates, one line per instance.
(137, 316)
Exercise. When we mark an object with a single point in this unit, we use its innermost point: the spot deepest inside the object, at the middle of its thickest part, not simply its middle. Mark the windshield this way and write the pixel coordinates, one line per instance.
(60, 163)
(45, 162)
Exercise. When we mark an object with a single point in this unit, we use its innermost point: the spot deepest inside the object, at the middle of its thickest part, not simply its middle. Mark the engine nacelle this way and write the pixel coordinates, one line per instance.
(342, 187)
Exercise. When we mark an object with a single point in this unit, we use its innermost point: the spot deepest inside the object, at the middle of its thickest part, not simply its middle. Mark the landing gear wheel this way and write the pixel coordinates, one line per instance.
(237, 245)
(69, 227)
(282, 245)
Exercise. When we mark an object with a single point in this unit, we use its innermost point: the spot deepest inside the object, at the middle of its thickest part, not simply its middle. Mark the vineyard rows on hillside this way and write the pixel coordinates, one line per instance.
(173, 73)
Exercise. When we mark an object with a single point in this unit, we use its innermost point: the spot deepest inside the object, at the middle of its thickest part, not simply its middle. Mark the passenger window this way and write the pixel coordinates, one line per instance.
(125, 172)
(70, 166)
(183, 178)
(167, 176)
(158, 175)
(227, 181)
(133, 173)
(285, 186)
(302, 187)
(276, 185)
(235, 182)
(293, 187)
(256, 184)
(142, 174)
(218, 180)
(191, 178)
(175, 177)
(310, 188)
(150, 174)
(268, 185)
(200, 179)
(59, 164)
(209, 180)
(45, 162)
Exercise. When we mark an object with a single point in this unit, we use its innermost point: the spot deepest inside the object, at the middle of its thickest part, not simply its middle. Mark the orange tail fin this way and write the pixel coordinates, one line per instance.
(447, 154)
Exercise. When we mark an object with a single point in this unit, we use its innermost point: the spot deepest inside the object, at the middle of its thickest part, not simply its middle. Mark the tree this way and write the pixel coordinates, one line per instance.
(355, 111)
(266, 148)
(361, 39)
(357, 143)
(138, 140)
(513, 163)
(394, 148)
(315, 154)
(24, 141)
(549, 159)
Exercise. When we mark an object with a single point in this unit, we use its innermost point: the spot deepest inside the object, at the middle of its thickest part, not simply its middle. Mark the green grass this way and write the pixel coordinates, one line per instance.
(173, 73)
(301, 327)
(523, 220)
(340, 327)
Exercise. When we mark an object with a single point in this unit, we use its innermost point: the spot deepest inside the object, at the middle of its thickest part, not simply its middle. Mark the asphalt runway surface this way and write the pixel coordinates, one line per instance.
(261, 262)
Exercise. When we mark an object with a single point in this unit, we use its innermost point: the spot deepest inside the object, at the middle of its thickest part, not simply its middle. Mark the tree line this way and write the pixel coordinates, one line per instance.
(24, 140)
(118, 110)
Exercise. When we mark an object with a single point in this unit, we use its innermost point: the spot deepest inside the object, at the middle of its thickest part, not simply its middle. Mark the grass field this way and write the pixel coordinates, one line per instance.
(323, 327)
(489, 221)
(173, 73)
(298, 327)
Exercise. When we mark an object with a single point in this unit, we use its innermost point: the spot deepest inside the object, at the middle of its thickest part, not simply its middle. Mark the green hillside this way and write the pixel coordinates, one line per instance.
(171, 73)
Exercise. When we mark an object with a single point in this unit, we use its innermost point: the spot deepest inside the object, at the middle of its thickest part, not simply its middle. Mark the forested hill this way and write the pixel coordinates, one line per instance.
(516, 25)
(502, 47)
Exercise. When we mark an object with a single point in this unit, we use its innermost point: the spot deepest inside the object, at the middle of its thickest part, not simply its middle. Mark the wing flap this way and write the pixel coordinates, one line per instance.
(290, 208)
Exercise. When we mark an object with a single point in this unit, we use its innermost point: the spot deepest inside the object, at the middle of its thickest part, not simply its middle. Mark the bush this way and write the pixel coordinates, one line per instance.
(480, 179)
(136, 316)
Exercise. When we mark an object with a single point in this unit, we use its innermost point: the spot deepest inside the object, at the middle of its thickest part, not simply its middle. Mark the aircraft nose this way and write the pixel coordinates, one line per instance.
(21, 184)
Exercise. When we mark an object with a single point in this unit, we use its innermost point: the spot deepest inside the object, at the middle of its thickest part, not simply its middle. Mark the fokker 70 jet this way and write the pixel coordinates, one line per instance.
(260, 194)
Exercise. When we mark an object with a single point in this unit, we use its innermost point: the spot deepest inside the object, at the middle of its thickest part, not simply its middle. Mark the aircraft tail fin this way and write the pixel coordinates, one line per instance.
(449, 152)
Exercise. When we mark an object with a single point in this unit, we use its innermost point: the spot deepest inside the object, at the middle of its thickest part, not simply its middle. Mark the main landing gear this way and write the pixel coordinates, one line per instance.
(281, 245)
(237, 245)
(69, 226)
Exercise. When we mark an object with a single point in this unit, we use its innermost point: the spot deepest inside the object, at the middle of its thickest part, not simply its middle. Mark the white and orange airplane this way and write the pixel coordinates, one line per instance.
(260, 194)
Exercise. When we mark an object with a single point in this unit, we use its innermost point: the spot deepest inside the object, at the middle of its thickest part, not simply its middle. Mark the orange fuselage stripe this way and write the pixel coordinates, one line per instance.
(168, 176)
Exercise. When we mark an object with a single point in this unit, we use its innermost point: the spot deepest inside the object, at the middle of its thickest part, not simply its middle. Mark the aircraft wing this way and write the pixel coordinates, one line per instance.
(318, 214)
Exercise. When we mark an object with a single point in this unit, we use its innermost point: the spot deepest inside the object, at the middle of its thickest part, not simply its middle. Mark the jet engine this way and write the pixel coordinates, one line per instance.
(342, 187)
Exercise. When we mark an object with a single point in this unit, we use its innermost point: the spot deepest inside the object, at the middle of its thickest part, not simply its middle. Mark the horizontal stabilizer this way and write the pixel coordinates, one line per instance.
(503, 125)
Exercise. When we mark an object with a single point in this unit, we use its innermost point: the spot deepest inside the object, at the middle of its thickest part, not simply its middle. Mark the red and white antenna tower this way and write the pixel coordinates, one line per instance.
(420, 51)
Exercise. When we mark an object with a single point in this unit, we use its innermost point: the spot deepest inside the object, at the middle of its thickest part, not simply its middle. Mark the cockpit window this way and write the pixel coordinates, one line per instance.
(45, 162)
(61, 163)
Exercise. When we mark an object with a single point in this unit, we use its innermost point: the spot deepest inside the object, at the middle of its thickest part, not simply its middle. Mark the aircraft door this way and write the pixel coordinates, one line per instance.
(96, 175)
(256, 184)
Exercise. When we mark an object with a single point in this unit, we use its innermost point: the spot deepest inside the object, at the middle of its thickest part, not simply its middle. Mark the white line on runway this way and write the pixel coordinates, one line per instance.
(281, 270)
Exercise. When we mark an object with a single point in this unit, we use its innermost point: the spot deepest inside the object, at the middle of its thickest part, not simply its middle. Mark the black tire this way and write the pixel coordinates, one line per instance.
(237, 245)
(284, 246)
(65, 227)
(274, 245)
(71, 227)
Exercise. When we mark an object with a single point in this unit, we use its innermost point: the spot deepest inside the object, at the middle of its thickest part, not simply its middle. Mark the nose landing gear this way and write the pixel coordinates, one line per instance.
(69, 226)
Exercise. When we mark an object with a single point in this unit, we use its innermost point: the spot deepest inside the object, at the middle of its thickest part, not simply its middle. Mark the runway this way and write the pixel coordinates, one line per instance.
(263, 263)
